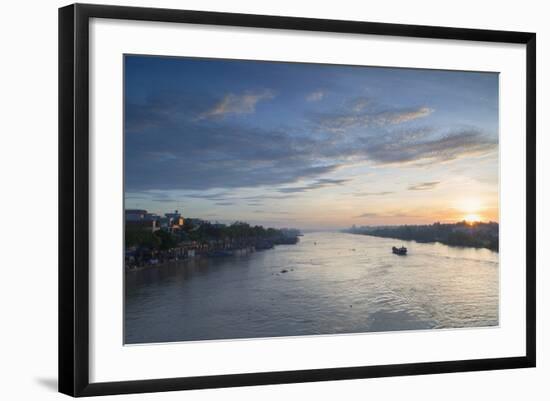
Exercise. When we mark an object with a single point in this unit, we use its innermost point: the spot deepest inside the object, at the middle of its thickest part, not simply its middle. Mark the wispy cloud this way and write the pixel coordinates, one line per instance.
(359, 104)
(224, 203)
(428, 145)
(361, 112)
(368, 215)
(381, 193)
(423, 186)
(315, 96)
(270, 212)
(162, 156)
(394, 214)
(219, 196)
(402, 116)
(345, 121)
(244, 103)
(263, 197)
(320, 183)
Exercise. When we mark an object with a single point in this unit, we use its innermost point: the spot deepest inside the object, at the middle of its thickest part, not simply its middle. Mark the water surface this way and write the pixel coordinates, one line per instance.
(336, 283)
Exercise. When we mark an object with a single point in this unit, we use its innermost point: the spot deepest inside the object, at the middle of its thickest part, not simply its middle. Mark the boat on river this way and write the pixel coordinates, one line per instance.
(399, 251)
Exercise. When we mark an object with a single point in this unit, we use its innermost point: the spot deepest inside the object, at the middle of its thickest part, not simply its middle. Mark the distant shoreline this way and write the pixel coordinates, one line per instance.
(462, 234)
(428, 242)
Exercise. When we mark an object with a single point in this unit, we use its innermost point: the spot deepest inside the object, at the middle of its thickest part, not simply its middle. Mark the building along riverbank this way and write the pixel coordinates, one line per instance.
(151, 240)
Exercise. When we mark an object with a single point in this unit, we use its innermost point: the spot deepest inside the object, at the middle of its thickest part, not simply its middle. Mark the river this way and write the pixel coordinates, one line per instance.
(335, 283)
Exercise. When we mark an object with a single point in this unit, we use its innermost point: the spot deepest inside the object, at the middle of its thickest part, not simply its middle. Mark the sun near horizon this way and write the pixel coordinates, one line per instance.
(471, 219)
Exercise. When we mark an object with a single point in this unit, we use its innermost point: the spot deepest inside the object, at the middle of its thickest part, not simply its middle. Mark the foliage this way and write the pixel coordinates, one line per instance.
(205, 232)
(478, 235)
(167, 240)
(139, 237)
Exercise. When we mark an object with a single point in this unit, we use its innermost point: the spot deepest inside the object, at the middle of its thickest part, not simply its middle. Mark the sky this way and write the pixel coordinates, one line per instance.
(310, 146)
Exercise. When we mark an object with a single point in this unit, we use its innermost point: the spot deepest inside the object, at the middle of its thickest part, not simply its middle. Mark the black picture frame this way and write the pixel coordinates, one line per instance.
(74, 198)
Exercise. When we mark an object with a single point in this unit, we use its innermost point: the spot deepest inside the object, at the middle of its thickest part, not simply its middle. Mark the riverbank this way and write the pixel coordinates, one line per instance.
(150, 245)
(139, 259)
(462, 234)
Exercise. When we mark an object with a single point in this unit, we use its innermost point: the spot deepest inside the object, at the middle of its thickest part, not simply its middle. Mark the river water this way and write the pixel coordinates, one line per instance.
(336, 283)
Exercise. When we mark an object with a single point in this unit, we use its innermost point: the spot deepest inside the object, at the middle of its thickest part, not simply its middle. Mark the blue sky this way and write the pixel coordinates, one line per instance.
(309, 145)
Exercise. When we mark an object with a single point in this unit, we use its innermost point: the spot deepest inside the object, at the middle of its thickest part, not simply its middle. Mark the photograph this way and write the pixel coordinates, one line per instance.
(268, 199)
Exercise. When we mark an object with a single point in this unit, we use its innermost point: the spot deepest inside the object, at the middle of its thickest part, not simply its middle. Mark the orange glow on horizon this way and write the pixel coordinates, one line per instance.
(472, 218)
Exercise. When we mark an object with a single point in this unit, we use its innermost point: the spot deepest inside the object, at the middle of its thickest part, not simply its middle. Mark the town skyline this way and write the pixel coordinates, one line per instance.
(310, 146)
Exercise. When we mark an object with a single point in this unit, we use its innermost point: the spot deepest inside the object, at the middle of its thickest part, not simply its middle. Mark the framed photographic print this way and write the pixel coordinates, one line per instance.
(249, 199)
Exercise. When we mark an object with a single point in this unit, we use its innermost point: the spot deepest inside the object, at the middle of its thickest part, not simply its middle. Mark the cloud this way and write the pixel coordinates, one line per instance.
(368, 215)
(238, 104)
(270, 212)
(220, 196)
(225, 156)
(402, 116)
(358, 118)
(226, 198)
(394, 214)
(359, 104)
(262, 197)
(164, 200)
(162, 156)
(168, 149)
(320, 183)
(156, 196)
(315, 96)
(131, 196)
(423, 186)
(427, 145)
(381, 193)
(329, 181)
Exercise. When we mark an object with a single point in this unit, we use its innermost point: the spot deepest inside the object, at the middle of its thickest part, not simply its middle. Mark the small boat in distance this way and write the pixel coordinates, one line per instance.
(399, 251)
